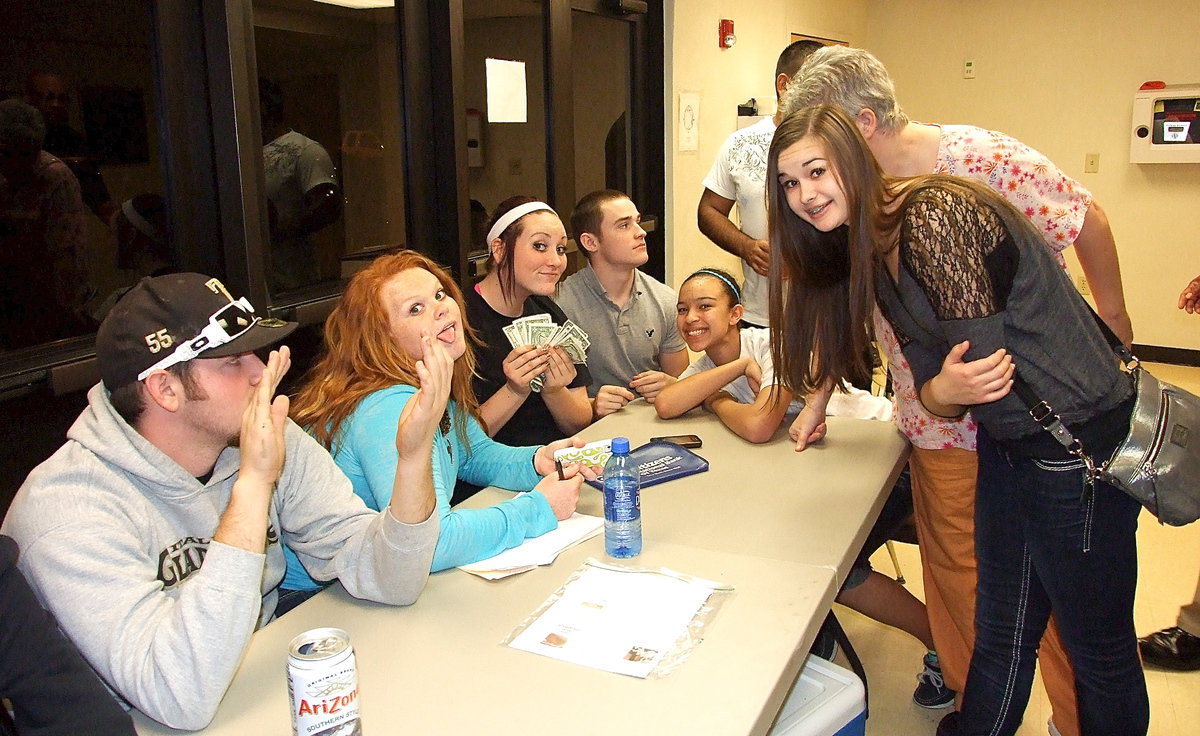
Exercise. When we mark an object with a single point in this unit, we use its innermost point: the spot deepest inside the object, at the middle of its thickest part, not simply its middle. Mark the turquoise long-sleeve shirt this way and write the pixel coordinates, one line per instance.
(366, 453)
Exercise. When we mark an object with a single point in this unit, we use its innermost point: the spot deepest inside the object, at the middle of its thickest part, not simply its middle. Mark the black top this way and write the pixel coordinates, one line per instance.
(532, 423)
(52, 689)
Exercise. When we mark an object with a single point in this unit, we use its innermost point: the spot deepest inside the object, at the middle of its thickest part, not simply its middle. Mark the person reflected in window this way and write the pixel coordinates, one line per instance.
(303, 195)
(143, 244)
(48, 93)
(43, 273)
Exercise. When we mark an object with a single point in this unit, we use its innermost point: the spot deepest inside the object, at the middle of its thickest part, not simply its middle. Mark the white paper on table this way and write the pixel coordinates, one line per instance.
(539, 550)
(614, 619)
(506, 99)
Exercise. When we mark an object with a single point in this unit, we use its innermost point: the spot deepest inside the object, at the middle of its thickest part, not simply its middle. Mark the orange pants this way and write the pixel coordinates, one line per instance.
(943, 483)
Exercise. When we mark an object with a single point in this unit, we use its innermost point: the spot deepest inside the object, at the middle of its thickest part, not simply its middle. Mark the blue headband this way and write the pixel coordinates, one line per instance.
(737, 293)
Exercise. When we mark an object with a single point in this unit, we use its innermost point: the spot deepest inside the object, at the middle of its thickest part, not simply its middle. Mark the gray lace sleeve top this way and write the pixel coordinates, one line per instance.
(971, 268)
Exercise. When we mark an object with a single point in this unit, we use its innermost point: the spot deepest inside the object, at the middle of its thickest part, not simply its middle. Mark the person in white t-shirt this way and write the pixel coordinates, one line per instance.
(737, 177)
(303, 195)
(735, 379)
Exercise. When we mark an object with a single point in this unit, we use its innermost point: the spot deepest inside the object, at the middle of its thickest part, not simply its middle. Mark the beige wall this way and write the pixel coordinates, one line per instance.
(1059, 76)
(724, 78)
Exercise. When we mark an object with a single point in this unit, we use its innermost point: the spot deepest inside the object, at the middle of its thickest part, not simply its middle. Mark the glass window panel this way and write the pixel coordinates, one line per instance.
(601, 84)
(511, 157)
(331, 124)
(82, 197)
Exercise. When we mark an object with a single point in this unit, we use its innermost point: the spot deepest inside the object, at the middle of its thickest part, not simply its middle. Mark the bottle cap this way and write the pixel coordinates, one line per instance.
(620, 445)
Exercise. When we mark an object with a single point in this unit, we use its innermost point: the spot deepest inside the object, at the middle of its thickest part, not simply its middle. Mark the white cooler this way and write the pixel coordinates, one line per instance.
(826, 700)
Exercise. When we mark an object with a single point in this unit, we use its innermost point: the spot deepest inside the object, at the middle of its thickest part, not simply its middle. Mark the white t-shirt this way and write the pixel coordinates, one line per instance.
(740, 174)
(294, 164)
(756, 343)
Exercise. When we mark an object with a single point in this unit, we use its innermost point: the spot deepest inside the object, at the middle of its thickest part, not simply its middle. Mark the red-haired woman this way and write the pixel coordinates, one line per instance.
(396, 318)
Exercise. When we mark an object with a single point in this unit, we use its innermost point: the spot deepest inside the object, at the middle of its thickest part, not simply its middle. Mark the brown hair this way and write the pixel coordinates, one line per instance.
(506, 269)
(589, 213)
(793, 57)
(822, 285)
(129, 401)
(361, 357)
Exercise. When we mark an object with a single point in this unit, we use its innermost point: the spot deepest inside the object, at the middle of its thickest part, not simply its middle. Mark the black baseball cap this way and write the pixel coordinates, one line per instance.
(186, 312)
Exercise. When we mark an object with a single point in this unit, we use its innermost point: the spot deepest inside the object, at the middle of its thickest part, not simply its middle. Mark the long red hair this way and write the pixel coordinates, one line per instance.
(361, 357)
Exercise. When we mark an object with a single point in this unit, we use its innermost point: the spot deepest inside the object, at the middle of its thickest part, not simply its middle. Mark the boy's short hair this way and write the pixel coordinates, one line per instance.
(794, 56)
(589, 212)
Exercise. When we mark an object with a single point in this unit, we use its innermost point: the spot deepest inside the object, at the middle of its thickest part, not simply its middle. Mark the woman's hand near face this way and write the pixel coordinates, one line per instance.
(522, 365)
(419, 421)
(560, 371)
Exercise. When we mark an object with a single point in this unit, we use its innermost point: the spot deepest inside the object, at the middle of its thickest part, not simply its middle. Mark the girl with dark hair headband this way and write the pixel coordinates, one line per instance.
(527, 243)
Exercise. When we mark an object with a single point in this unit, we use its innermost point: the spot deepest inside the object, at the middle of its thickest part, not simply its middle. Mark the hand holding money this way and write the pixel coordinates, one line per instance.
(536, 333)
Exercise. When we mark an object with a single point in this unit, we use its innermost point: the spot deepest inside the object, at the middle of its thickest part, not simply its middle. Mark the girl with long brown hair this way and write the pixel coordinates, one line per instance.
(973, 295)
(352, 399)
(527, 243)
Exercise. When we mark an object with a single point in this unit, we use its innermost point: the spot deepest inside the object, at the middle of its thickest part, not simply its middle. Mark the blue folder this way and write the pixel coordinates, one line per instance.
(659, 462)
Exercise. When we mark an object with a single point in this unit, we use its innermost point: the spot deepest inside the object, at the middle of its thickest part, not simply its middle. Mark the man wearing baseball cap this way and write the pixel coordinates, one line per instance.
(154, 534)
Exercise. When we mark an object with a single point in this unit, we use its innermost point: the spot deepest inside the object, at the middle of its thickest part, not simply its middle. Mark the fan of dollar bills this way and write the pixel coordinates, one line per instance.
(541, 329)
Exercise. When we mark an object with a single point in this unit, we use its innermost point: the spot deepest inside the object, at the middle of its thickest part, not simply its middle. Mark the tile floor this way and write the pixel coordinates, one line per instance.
(1169, 559)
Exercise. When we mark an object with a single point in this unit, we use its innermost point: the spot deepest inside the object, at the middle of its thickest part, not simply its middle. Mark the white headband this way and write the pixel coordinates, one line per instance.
(135, 218)
(512, 216)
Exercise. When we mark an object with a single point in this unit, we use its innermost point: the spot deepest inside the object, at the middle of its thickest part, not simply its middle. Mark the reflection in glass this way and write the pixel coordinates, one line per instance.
(513, 155)
(82, 215)
(601, 83)
(330, 105)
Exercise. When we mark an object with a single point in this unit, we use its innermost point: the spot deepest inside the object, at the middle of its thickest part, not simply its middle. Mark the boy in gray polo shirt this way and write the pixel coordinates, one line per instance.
(628, 316)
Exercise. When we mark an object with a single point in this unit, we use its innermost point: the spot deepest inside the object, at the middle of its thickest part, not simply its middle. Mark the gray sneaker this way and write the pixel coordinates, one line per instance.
(931, 690)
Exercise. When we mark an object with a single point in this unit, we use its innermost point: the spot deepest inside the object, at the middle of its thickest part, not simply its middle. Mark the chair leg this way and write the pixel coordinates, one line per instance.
(891, 548)
(856, 664)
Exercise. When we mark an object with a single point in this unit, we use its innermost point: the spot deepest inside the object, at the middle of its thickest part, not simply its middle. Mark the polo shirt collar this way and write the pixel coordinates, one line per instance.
(588, 274)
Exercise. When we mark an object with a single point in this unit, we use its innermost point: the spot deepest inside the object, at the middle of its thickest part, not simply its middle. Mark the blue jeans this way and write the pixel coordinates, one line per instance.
(1045, 544)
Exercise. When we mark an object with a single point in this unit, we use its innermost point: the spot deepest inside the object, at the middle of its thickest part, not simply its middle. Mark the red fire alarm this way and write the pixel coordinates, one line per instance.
(725, 37)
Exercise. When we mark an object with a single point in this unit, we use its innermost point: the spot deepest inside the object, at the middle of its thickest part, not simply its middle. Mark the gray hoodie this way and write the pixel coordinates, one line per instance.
(116, 542)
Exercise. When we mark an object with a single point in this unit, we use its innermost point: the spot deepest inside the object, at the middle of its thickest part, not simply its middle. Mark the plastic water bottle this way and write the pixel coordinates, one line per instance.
(622, 503)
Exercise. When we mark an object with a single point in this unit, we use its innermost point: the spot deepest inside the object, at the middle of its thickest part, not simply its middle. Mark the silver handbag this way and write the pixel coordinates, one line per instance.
(1158, 462)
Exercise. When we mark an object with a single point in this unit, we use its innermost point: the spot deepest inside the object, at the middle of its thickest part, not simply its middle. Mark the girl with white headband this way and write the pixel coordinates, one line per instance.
(733, 377)
(527, 244)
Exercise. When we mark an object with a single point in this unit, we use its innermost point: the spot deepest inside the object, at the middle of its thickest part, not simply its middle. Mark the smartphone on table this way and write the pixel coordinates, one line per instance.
(690, 441)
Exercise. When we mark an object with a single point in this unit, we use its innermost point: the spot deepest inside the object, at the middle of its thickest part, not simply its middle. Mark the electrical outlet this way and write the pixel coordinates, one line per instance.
(1091, 163)
(969, 69)
(1084, 288)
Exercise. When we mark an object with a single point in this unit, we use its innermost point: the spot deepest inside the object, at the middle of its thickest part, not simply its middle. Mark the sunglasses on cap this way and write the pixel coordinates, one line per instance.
(224, 326)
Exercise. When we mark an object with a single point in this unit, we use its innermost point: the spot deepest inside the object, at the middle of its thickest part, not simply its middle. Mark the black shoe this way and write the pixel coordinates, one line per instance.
(1173, 648)
(931, 689)
(825, 646)
(949, 725)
